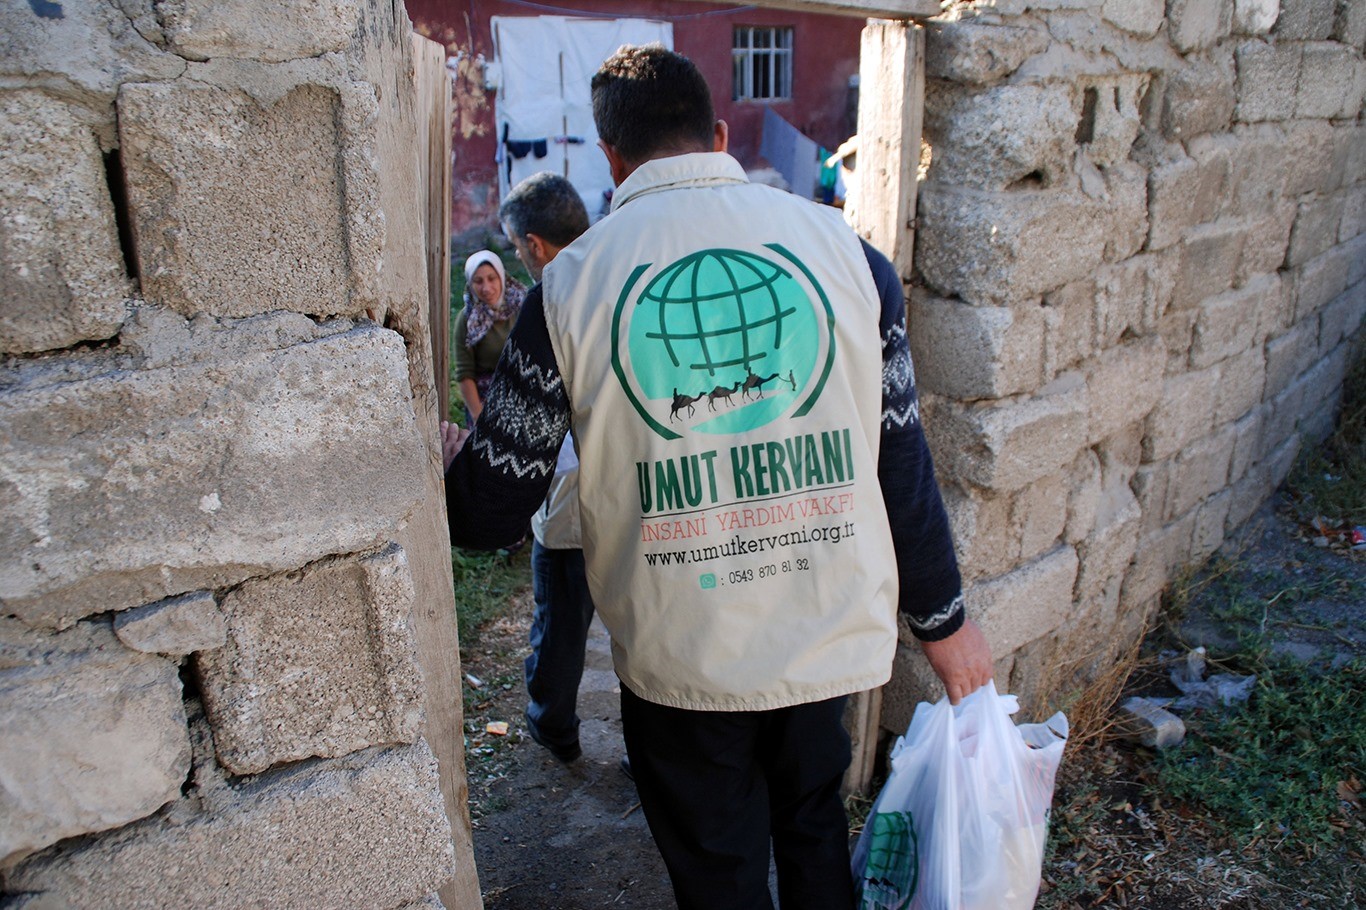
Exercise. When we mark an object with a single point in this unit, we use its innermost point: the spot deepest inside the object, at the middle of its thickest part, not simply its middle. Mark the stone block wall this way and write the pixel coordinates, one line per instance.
(217, 462)
(1140, 276)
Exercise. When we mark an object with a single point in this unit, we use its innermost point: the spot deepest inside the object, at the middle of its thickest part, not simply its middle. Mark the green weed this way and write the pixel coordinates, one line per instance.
(1271, 769)
(483, 584)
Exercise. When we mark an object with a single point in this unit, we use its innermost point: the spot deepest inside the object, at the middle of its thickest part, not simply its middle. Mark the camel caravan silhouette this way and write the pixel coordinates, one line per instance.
(753, 384)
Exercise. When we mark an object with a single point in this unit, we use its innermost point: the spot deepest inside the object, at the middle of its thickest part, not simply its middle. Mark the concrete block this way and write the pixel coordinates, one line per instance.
(1121, 298)
(258, 30)
(320, 662)
(1351, 147)
(1004, 137)
(1320, 423)
(1083, 496)
(1331, 82)
(1026, 603)
(973, 53)
(1281, 459)
(1323, 278)
(1276, 309)
(1006, 444)
(1313, 147)
(1200, 97)
(1213, 161)
(1350, 27)
(1121, 453)
(1268, 237)
(1354, 251)
(1138, 17)
(1123, 385)
(64, 277)
(1151, 484)
(1104, 556)
(1289, 406)
(1227, 324)
(372, 827)
(1175, 200)
(95, 735)
(1305, 20)
(1198, 24)
(125, 486)
(1038, 514)
(1115, 117)
(1009, 247)
(1184, 412)
(1341, 318)
(1289, 355)
(1201, 470)
(983, 533)
(968, 352)
(1255, 17)
(1150, 724)
(1127, 200)
(1241, 386)
(1176, 328)
(1069, 326)
(209, 154)
(40, 51)
(1210, 518)
(1260, 158)
(1209, 261)
(1315, 230)
(1160, 555)
(176, 626)
(1268, 81)
(1246, 497)
(1247, 439)
(1353, 214)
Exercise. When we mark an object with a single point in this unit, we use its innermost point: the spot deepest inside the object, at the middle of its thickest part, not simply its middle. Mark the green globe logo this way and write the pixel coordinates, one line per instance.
(720, 341)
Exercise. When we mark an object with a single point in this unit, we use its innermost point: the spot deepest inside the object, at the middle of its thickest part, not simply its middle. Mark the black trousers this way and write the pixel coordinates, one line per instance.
(718, 786)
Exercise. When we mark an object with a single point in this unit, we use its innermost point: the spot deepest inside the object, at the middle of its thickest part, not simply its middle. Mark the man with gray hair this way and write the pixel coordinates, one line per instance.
(541, 215)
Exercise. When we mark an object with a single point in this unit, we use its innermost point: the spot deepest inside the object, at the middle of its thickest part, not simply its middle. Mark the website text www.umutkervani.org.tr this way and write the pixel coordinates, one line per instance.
(741, 546)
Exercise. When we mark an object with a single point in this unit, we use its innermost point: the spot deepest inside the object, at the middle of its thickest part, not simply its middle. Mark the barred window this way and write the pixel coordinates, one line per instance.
(761, 58)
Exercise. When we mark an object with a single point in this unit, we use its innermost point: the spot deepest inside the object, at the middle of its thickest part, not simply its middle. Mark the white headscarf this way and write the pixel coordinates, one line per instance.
(472, 265)
(479, 316)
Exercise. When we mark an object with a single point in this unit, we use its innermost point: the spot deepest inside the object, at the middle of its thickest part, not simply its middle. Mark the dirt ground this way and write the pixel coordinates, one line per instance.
(555, 837)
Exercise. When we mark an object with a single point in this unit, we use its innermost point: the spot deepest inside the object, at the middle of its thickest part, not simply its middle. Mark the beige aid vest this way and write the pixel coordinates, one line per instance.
(719, 343)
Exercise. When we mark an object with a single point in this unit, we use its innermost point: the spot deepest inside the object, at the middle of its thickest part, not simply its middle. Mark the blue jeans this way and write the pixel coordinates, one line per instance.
(559, 632)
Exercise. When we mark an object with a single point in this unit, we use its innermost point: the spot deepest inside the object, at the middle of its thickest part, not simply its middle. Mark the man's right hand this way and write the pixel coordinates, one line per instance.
(962, 661)
(452, 441)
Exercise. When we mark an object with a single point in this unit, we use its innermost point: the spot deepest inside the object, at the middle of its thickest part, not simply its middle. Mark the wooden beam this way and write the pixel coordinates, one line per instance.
(865, 9)
(426, 537)
(881, 208)
(433, 84)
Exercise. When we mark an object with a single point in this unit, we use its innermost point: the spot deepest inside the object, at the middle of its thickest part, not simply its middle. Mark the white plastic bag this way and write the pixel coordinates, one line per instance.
(961, 822)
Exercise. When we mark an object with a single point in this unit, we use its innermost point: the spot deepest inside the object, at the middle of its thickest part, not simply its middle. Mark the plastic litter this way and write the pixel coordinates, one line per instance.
(1197, 691)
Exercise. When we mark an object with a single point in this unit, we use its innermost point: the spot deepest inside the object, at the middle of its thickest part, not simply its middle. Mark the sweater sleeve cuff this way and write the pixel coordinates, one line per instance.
(940, 624)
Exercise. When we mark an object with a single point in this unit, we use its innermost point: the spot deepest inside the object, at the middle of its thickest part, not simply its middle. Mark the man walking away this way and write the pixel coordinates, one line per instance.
(541, 216)
(749, 560)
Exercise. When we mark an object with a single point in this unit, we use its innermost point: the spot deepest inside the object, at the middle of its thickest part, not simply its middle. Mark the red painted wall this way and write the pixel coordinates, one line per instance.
(825, 54)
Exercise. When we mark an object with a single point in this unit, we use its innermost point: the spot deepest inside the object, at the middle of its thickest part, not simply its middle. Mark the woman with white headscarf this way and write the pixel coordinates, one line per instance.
(492, 303)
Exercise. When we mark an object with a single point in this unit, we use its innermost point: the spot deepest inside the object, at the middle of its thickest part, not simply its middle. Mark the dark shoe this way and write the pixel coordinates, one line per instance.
(566, 753)
(626, 766)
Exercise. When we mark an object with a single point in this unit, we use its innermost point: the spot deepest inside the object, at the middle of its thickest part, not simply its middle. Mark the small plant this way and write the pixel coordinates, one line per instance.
(1276, 768)
(483, 584)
